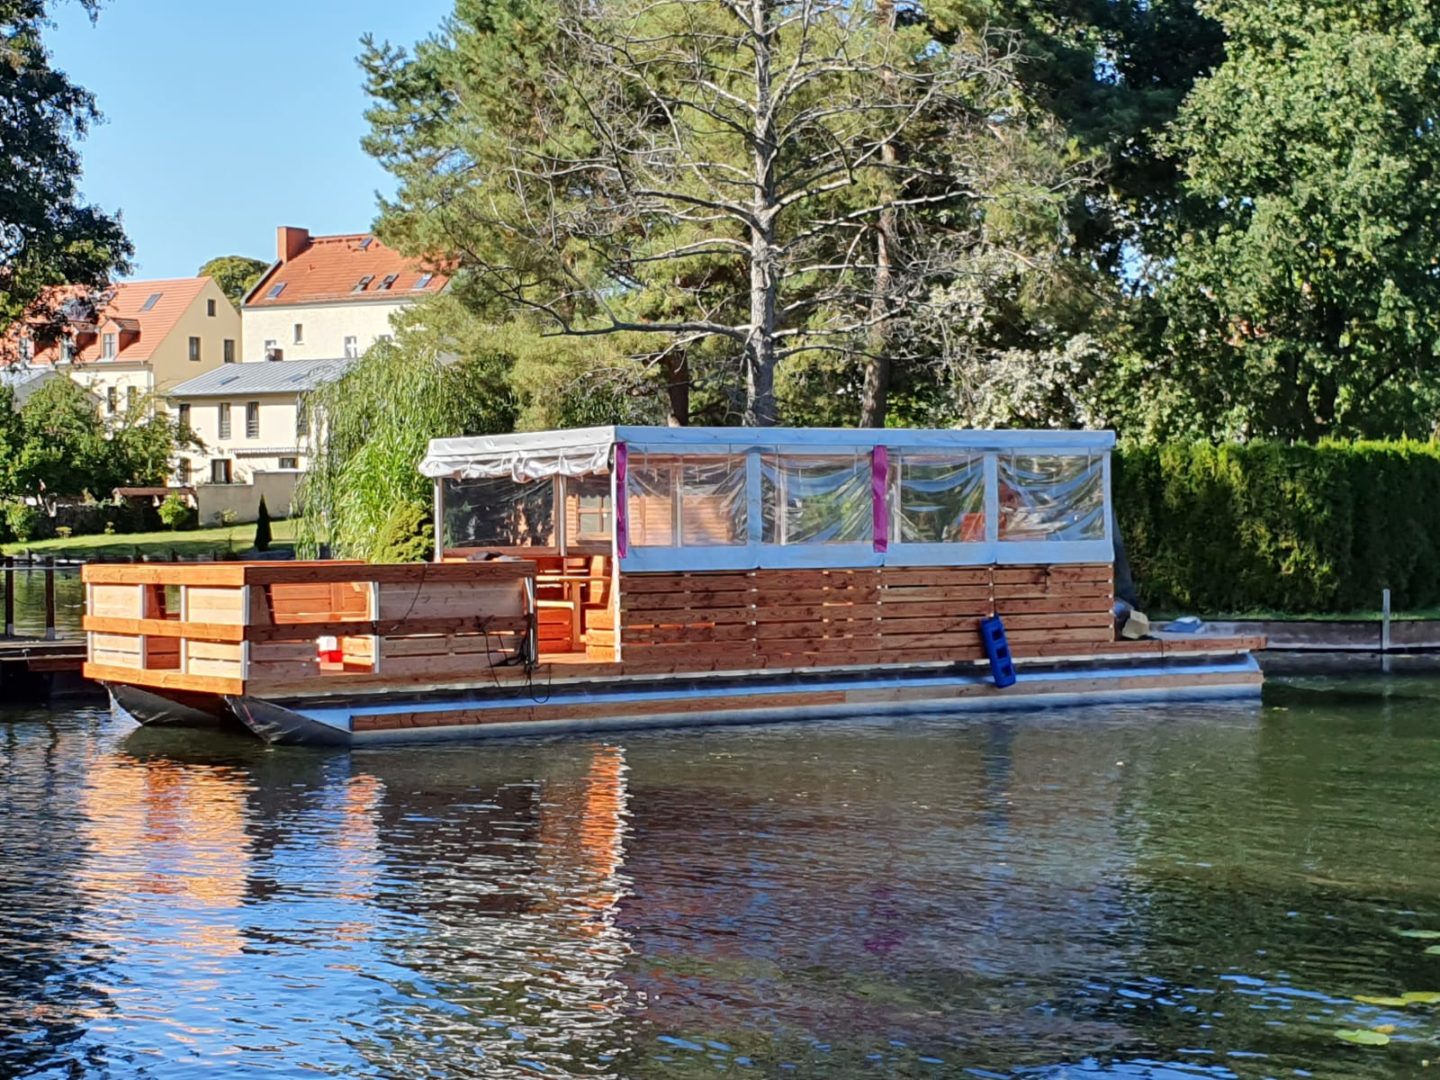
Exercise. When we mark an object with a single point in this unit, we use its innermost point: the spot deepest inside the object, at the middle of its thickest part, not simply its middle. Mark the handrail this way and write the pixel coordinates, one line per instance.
(251, 627)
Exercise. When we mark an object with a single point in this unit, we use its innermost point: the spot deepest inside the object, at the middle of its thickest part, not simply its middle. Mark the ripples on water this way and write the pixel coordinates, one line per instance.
(1191, 891)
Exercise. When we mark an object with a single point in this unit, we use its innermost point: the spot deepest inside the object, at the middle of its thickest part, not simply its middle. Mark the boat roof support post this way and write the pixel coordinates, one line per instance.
(439, 520)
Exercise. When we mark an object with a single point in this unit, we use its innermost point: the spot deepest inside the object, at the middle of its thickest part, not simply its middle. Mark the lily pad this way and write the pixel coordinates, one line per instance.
(1422, 997)
(1433, 950)
(1392, 1002)
(1362, 1037)
(1423, 935)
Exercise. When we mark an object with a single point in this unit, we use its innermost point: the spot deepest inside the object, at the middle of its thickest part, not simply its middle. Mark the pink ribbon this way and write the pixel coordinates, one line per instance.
(622, 514)
(879, 481)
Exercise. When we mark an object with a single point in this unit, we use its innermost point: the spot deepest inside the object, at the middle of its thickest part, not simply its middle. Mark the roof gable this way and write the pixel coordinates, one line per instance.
(146, 311)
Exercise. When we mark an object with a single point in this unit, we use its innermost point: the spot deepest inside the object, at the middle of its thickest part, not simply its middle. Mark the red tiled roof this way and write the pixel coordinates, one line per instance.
(141, 332)
(330, 268)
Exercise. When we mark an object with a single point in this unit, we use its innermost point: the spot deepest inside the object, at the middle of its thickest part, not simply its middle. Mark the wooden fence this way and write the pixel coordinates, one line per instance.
(799, 618)
(278, 627)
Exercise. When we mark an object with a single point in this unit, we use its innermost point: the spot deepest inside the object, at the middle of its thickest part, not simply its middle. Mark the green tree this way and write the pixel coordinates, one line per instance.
(374, 424)
(143, 442)
(262, 527)
(235, 274)
(1302, 298)
(716, 215)
(65, 451)
(12, 441)
(48, 235)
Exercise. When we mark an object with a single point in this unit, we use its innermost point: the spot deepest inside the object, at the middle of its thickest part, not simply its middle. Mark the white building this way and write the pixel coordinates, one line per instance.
(329, 296)
(253, 430)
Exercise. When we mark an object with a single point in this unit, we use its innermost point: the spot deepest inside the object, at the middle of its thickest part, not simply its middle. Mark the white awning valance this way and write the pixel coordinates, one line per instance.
(523, 457)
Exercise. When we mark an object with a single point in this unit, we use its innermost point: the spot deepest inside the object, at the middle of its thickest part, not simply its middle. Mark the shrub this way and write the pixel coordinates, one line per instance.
(64, 532)
(405, 536)
(1297, 529)
(262, 527)
(175, 512)
(21, 520)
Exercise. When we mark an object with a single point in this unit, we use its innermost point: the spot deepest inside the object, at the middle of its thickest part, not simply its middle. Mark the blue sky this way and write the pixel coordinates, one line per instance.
(224, 120)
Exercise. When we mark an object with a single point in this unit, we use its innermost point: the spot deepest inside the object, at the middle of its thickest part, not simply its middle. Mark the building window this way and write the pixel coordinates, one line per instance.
(229, 350)
(587, 507)
(352, 347)
(252, 419)
(108, 347)
(302, 419)
(27, 349)
(271, 345)
(220, 471)
(112, 400)
(224, 420)
(183, 419)
(289, 463)
(195, 348)
(132, 395)
(182, 472)
(210, 308)
(67, 350)
(299, 333)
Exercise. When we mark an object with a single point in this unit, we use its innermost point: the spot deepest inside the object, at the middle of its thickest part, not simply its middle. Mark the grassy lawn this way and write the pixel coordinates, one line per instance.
(225, 538)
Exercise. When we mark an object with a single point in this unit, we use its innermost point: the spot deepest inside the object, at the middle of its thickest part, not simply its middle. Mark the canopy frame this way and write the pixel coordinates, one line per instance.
(605, 450)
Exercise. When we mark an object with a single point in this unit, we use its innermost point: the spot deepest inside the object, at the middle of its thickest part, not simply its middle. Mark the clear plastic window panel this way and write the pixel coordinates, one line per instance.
(816, 499)
(686, 501)
(1052, 497)
(499, 512)
(588, 515)
(938, 499)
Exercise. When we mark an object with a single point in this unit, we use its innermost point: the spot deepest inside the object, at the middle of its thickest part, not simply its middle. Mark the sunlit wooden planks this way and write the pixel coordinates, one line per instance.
(803, 616)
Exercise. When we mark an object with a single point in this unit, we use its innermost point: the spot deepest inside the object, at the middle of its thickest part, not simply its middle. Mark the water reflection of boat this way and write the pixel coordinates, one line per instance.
(626, 577)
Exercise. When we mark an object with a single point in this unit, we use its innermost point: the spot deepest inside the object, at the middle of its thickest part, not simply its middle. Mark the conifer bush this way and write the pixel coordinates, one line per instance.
(1245, 527)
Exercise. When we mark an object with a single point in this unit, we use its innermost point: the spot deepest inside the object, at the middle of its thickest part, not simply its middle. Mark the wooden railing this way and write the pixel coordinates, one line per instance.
(233, 628)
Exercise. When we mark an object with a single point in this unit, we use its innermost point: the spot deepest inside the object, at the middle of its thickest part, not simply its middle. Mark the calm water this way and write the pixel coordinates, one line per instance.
(1126, 893)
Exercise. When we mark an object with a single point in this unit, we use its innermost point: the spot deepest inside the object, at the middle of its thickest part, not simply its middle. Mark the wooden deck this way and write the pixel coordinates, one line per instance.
(262, 629)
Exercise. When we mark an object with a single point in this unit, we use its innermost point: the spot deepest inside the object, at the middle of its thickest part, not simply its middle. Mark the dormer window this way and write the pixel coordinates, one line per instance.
(364, 283)
(390, 280)
(109, 346)
(27, 349)
(67, 350)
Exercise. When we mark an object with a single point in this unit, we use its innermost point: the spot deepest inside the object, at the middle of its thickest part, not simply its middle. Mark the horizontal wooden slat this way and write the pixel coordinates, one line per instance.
(167, 628)
(164, 680)
(407, 573)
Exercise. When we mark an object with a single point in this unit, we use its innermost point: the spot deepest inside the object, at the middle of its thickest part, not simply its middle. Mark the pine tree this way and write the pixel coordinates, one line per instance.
(262, 527)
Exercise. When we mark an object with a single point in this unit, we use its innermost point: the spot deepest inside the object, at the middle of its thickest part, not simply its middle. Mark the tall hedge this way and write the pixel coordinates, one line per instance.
(1261, 526)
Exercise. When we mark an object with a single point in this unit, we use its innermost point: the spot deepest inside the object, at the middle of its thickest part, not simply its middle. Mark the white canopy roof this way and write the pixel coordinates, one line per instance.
(585, 451)
(526, 456)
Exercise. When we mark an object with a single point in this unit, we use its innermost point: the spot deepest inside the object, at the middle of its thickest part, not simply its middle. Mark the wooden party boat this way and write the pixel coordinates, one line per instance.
(623, 577)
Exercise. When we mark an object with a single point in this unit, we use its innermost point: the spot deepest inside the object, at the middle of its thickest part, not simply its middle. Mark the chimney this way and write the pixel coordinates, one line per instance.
(290, 241)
